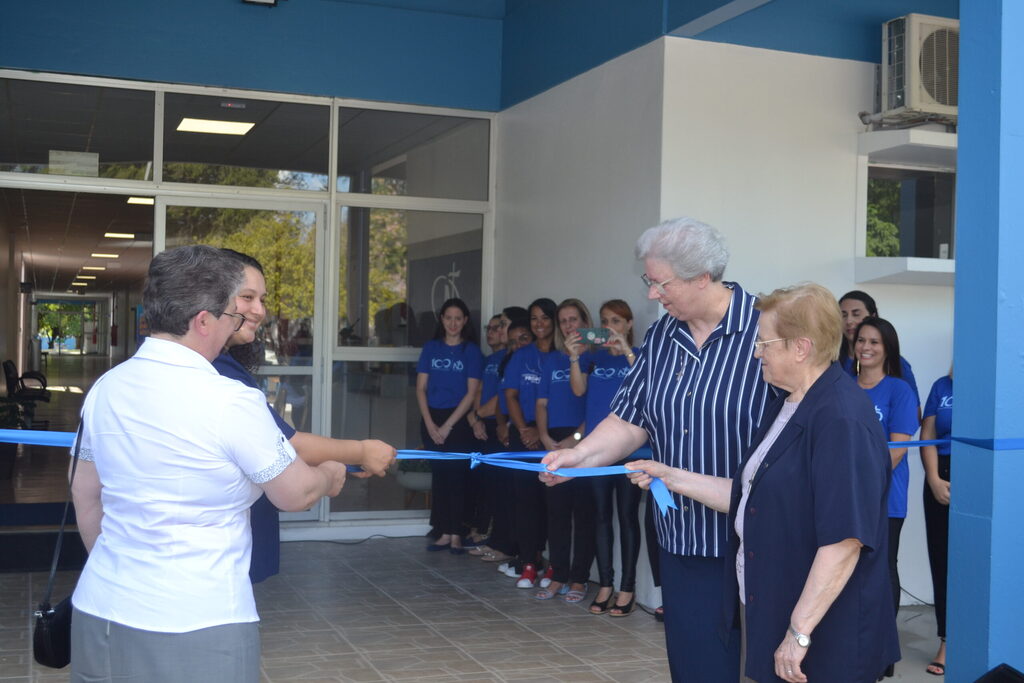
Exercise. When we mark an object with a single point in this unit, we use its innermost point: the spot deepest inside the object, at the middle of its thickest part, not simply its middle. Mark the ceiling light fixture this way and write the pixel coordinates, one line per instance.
(120, 235)
(85, 277)
(105, 255)
(94, 267)
(148, 201)
(213, 126)
(267, 3)
(79, 284)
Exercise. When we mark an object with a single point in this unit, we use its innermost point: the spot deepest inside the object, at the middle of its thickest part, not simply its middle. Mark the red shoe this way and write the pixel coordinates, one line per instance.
(549, 574)
(528, 578)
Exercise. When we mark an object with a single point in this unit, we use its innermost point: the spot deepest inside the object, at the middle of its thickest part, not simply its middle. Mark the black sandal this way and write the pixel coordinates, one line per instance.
(623, 610)
(602, 607)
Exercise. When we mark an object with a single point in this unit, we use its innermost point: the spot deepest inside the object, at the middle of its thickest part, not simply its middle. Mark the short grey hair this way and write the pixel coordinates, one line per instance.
(186, 280)
(690, 247)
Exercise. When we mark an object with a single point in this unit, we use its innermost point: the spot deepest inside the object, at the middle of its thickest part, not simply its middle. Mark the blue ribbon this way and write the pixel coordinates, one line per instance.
(662, 496)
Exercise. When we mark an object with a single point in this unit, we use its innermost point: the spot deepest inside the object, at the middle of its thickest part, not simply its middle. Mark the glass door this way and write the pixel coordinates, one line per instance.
(285, 238)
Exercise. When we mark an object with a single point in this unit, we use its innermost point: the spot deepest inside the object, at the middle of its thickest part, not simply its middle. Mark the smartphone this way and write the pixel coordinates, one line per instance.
(595, 335)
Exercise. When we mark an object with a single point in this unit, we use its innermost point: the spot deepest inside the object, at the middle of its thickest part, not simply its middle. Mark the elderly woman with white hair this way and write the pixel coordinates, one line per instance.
(807, 509)
(696, 393)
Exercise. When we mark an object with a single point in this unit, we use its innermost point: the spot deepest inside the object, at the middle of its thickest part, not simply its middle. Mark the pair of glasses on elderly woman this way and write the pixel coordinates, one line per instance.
(659, 287)
(760, 344)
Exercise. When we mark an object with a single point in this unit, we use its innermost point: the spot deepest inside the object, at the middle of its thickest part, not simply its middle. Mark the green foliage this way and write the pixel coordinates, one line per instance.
(883, 234)
(63, 319)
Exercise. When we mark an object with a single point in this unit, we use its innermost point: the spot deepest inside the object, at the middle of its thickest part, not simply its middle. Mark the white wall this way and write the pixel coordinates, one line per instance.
(577, 181)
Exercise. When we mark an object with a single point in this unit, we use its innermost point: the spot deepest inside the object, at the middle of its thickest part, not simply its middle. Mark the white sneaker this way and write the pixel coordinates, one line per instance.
(502, 567)
(528, 577)
(511, 572)
(548, 575)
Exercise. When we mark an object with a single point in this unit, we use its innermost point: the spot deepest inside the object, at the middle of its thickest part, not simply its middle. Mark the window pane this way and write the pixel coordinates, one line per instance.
(80, 130)
(376, 400)
(286, 147)
(398, 267)
(910, 213)
(421, 155)
(290, 396)
(284, 242)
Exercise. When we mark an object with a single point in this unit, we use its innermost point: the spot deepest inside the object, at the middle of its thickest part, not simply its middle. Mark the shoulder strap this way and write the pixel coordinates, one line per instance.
(63, 521)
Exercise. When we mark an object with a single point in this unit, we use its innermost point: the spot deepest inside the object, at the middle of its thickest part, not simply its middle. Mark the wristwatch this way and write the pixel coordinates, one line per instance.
(802, 639)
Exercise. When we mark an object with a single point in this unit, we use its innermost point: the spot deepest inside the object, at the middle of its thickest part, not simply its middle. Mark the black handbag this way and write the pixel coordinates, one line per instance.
(51, 639)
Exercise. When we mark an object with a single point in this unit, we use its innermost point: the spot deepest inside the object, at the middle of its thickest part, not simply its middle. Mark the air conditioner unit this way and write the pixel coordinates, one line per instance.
(920, 61)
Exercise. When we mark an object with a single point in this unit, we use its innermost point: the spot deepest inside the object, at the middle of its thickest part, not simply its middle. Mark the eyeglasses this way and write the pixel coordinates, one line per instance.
(759, 344)
(241, 319)
(659, 287)
(495, 327)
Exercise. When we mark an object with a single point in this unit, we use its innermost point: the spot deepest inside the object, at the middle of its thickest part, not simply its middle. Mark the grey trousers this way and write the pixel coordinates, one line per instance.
(103, 650)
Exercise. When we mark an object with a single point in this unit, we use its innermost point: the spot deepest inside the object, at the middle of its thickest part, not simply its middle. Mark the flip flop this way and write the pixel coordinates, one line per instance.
(937, 665)
(573, 597)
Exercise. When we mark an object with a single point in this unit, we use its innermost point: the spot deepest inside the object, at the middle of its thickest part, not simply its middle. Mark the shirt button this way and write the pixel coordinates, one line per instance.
(686, 431)
(750, 555)
(753, 511)
(750, 599)
(686, 508)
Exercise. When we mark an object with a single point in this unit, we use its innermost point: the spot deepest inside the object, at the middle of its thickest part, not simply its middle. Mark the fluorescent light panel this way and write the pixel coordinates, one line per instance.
(94, 267)
(85, 277)
(120, 235)
(105, 255)
(148, 201)
(79, 284)
(188, 125)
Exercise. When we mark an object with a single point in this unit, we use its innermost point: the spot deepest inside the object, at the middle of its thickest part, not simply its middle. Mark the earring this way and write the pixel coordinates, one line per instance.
(856, 367)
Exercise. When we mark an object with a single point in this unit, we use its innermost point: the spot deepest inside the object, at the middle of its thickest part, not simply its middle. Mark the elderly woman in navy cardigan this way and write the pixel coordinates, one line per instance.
(807, 510)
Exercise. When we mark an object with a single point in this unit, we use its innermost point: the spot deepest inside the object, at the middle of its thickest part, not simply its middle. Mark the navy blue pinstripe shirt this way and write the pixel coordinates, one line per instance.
(701, 408)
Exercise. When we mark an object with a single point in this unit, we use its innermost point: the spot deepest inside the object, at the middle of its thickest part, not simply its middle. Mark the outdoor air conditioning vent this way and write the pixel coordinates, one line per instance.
(920, 59)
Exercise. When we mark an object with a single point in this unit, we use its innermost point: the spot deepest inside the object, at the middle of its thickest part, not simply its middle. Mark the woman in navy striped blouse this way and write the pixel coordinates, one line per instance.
(696, 392)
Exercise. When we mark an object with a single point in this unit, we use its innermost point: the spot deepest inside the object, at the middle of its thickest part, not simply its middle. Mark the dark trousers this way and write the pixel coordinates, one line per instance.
(936, 525)
(451, 477)
(626, 496)
(503, 505)
(651, 537)
(692, 592)
(479, 494)
(895, 527)
(530, 515)
(570, 525)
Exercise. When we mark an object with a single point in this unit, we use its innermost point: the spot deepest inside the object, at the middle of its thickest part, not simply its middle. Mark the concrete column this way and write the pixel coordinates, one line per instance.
(986, 562)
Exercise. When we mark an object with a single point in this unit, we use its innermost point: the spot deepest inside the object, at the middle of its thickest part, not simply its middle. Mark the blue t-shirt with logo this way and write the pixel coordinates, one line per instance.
(490, 382)
(524, 373)
(606, 373)
(940, 404)
(896, 408)
(448, 368)
(565, 409)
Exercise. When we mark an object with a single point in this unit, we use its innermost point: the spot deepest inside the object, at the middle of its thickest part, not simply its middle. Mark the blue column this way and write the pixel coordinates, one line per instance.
(986, 564)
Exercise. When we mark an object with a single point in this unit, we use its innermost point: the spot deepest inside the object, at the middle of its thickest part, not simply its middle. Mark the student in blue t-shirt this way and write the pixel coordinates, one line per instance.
(938, 424)
(598, 374)
(520, 384)
(854, 306)
(241, 358)
(877, 350)
(560, 425)
(447, 378)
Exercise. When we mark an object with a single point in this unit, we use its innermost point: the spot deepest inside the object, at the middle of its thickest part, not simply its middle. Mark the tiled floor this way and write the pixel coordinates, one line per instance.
(385, 610)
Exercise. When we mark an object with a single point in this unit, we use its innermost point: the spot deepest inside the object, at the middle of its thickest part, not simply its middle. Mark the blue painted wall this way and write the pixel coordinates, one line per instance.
(847, 29)
(546, 43)
(319, 47)
(986, 534)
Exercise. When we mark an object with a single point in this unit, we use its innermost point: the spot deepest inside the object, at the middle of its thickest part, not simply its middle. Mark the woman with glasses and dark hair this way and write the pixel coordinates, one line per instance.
(560, 414)
(597, 374)
(521, 384)
(240, 360)
(854, 306)
(447, 379)
(877, 353)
